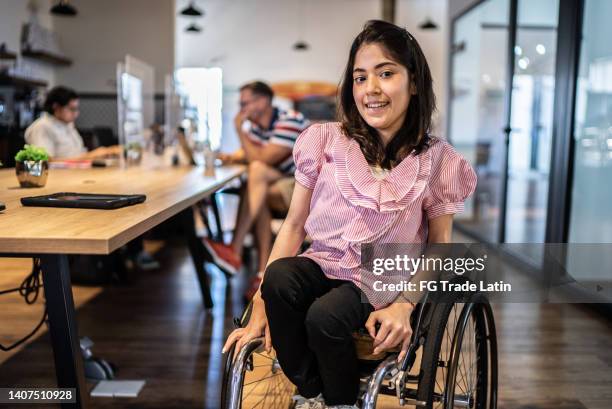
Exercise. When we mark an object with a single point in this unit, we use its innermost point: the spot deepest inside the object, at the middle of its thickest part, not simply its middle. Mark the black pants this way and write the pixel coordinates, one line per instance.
(311, 319)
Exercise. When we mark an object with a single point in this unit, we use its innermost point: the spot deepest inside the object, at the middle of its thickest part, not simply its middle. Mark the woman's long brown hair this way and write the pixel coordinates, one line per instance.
(413, 136)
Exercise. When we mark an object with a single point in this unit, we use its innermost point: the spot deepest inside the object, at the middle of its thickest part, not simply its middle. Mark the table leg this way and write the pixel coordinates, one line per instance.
(63, 327)
(198, 254)
(215, 208)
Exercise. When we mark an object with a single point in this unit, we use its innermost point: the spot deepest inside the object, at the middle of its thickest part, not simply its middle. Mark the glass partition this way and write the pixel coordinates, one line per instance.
(477, 116)
(135, 104)
(203, 88)
(591, 197)
(531, 121)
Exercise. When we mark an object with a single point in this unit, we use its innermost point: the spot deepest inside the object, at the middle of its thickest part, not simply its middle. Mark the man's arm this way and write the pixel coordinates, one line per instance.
(232, 157)
(270, 154)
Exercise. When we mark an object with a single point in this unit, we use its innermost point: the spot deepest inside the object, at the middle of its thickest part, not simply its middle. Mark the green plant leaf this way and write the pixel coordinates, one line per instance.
(33, 153)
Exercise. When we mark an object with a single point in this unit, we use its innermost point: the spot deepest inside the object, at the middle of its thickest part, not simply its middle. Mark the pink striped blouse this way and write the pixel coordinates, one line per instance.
(350, 206)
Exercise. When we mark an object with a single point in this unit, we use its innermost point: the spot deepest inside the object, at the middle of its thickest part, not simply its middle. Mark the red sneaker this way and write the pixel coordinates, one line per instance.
(223, 256)
(253, 286)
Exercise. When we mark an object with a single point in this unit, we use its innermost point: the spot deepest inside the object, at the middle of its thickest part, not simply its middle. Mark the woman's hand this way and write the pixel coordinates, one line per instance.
(257, 326)
(394, 327)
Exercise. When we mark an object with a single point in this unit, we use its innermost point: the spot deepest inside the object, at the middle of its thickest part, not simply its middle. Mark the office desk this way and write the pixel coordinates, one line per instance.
(53, 233)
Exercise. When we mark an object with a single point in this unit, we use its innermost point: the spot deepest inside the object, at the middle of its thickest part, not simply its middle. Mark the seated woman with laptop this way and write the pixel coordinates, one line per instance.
(55, 131)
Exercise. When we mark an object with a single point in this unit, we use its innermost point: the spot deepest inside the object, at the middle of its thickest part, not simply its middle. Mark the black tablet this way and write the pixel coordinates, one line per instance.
(83, 200)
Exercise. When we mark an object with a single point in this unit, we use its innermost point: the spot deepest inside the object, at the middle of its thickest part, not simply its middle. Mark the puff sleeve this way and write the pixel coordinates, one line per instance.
(452, 181)
(308, 155)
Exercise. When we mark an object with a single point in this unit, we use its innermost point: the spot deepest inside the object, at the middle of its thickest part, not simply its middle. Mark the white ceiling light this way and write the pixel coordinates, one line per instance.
(540, 49)
(523, 63)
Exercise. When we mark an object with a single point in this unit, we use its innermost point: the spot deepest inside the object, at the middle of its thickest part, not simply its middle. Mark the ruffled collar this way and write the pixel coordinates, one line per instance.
(394, 192)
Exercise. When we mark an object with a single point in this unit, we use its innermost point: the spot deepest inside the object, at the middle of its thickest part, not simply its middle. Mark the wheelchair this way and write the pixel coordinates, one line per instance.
(451, 363)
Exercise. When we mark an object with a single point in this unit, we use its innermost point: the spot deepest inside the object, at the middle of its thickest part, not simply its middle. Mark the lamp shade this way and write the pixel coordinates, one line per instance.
(301, 46)
(193, 28)
(63, 8)
(428, 24)
(191, 11)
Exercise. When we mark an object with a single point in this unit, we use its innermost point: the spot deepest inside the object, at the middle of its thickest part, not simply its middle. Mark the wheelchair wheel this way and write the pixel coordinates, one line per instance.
(459, 361)
(255, 379)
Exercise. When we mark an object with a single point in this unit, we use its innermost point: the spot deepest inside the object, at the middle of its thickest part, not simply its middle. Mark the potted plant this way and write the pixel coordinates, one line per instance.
(32, 166)
(133, 153)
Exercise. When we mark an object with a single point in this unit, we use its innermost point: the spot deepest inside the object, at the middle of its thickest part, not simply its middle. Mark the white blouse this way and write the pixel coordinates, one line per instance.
(60, 140)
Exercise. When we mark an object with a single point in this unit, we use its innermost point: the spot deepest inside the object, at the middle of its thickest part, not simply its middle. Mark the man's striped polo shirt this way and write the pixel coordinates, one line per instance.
(284, 129)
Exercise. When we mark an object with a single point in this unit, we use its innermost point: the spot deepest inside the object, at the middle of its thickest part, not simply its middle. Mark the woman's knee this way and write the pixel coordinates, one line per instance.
(322, 324)
(278, 279)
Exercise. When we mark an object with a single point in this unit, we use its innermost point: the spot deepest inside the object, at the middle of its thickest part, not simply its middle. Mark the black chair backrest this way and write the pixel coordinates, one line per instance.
(105, 135)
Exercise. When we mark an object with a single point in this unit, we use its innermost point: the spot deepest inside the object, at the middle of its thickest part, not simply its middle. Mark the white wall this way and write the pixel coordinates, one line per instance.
(13, 14)
(105, 31)
(411, 13)
(253, 40)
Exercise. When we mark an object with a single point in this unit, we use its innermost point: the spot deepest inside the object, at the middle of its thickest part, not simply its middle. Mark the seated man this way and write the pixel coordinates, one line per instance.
(267, 135)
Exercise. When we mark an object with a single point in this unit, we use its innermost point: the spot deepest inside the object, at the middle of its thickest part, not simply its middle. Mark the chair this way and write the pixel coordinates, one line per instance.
(451, 362)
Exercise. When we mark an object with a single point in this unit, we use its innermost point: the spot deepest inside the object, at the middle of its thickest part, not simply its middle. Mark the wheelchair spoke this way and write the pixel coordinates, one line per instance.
(468, 344)
(264, 356)
(254, 386)
(461, 363)
(270, 392)
(462, 366)
(262, 365)
(259, 383)
(438, 385)
(468, 375)
(471, 353)
(266, 395)
(262, 379)
(461, 371)
(455, 358)
(472, 371)
(264, 386)
(260, 401)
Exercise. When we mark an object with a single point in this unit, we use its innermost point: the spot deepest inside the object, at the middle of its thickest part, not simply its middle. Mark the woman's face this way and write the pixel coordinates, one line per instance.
(381, 90)
(68, 113)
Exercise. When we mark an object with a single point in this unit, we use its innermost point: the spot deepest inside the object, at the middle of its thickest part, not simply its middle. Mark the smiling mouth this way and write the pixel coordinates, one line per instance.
(372, 105)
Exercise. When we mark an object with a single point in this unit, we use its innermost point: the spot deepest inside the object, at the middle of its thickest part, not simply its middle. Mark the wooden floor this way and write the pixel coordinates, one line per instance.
(551, 356)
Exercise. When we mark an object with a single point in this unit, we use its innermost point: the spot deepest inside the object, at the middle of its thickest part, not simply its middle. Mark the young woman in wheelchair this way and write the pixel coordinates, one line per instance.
(378, 176)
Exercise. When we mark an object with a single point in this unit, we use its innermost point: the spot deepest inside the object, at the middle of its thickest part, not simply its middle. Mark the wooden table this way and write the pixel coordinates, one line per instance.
(53, 233)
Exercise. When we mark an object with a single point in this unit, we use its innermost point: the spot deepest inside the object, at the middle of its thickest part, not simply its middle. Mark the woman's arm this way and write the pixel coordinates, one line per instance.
(97, 153)
(440, 229)
(287, 244)
(291, 234)
(395, 319)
